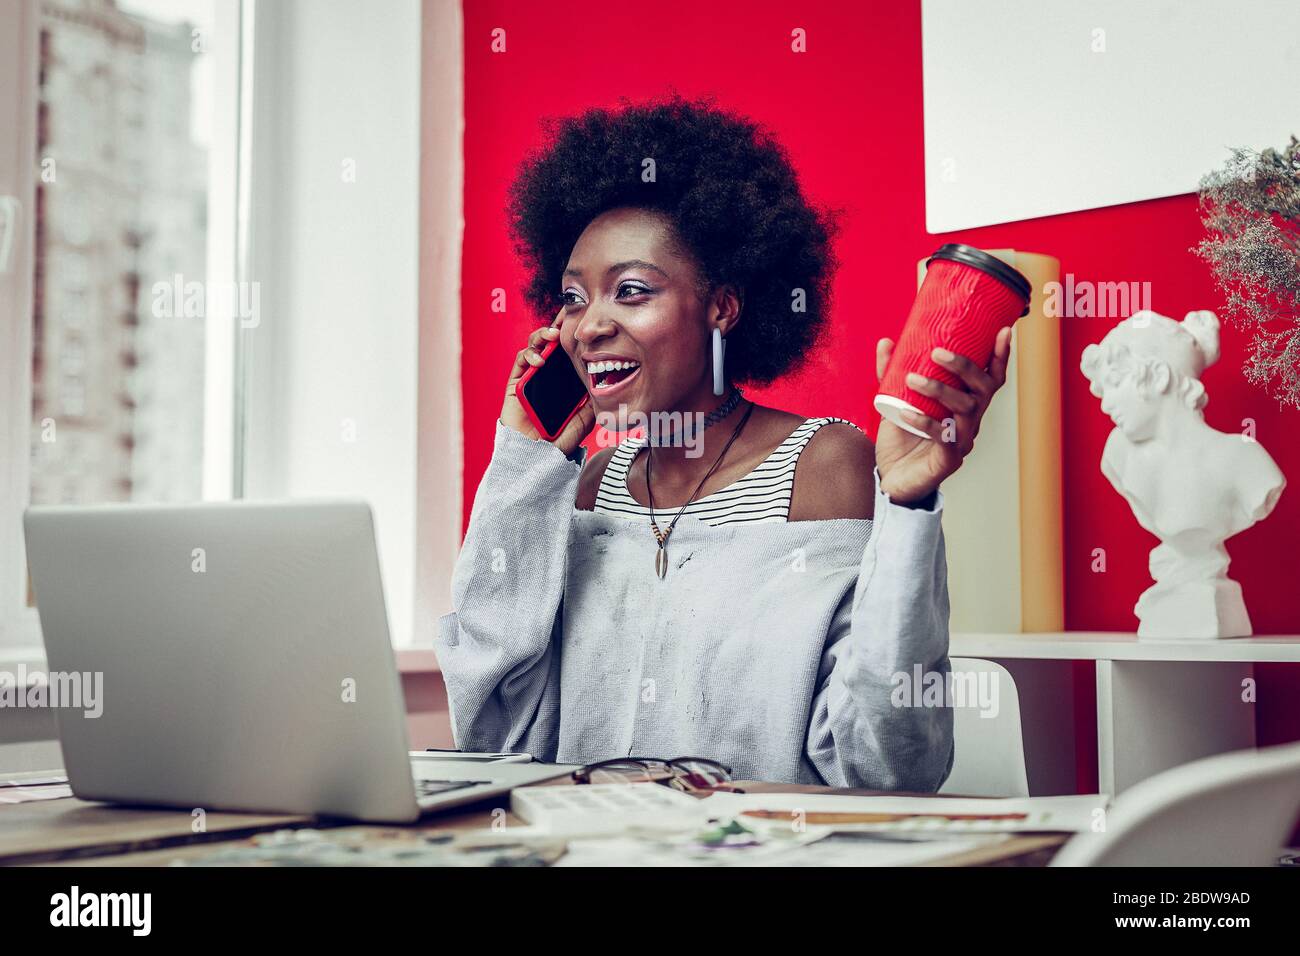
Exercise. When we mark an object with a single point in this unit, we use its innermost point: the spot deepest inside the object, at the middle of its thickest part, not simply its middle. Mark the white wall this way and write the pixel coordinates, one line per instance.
(338, 81)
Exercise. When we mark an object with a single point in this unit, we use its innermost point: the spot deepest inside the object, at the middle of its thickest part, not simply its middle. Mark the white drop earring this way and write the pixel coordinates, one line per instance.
(719, 356)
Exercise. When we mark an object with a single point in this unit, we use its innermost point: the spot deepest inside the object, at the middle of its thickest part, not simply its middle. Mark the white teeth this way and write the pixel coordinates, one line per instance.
(596, 368)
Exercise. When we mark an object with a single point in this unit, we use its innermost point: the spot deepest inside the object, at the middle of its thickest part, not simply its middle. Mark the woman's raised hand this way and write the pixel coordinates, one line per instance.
(512, 412)
(910, 466)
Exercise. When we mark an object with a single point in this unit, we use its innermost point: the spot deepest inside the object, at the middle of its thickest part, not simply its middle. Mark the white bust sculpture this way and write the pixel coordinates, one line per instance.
(1188, 484)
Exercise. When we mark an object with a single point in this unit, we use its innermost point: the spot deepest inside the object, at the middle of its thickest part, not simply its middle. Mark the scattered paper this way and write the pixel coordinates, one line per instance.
(12, 794)
(363, 847)
(39, 779)
(1074, 813)
(861, 848)
(740, 843)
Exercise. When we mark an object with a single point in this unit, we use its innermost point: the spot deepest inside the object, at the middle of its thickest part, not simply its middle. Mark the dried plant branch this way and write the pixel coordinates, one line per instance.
(1251, 210)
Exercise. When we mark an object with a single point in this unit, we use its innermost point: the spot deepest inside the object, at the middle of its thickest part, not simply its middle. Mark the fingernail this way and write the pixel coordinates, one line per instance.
(943, 355)
(914, 379)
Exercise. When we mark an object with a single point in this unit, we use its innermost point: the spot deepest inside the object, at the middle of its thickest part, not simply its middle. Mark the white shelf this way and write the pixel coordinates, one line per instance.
(1118, 646)
(1160, 704)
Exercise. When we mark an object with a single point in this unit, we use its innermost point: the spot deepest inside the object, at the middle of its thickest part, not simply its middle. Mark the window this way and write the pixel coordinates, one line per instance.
(117, 378)
(164, 208)
(124, 178)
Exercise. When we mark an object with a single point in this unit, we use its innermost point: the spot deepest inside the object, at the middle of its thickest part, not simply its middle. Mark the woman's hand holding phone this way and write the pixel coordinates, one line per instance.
(512, 411)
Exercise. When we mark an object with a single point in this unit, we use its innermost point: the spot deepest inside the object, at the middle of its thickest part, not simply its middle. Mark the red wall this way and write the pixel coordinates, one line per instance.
(849, 112)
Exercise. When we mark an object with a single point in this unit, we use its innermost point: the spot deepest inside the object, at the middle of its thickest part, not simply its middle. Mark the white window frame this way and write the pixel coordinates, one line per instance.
(20, 636)
(19, 39)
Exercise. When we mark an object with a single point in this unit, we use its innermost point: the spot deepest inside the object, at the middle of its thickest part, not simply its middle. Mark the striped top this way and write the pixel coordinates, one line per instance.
(763, 495)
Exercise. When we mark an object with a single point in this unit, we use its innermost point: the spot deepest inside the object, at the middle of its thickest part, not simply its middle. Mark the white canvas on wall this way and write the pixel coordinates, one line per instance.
(1039, 107)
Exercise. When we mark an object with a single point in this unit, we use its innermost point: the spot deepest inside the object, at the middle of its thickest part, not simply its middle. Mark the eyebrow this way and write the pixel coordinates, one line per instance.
(620, 266)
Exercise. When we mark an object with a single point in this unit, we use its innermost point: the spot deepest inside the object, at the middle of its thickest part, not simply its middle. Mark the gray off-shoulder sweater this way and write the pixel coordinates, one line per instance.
(780, 649)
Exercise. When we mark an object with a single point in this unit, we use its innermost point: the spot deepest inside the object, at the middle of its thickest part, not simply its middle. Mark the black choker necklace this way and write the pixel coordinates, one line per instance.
(723, 410)
(712, 418)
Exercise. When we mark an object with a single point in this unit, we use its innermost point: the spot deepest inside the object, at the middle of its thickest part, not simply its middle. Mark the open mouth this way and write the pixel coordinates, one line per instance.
(609, 374)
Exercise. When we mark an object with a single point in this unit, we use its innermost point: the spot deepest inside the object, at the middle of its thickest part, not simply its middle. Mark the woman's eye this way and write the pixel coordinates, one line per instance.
(631, 288)
(569, 297)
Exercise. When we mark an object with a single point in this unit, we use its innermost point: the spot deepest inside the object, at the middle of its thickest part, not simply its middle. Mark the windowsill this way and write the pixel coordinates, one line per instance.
(410, 660)
(32, 658)
(417, 660)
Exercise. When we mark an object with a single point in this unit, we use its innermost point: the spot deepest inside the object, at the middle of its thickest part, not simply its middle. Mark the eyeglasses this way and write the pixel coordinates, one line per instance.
(688, 774)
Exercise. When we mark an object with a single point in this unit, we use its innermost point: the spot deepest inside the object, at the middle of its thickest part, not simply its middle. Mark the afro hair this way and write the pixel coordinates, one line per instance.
(728, 189)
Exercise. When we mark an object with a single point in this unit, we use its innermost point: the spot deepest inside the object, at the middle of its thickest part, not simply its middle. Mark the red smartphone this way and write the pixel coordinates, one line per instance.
(551, 393)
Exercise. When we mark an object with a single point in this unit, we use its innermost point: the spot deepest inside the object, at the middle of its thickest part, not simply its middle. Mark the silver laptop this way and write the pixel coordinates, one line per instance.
(244, 662)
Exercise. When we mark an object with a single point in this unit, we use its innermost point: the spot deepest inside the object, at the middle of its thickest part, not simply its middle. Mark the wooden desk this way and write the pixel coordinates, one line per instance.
(72, 832)
(49, 831)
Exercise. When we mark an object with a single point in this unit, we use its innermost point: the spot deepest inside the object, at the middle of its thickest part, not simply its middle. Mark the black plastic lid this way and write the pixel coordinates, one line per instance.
(979, 259)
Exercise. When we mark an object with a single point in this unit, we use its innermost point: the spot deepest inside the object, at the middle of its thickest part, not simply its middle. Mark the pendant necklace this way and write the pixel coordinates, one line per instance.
(661, 535)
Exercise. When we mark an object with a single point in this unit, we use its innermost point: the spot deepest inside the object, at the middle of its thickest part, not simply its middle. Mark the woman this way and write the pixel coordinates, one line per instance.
(750, 588)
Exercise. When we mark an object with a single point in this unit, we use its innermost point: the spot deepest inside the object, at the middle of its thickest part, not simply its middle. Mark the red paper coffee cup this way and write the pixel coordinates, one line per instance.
(966, 298)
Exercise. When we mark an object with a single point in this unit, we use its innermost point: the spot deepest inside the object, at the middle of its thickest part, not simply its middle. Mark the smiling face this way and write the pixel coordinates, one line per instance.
(636, 325)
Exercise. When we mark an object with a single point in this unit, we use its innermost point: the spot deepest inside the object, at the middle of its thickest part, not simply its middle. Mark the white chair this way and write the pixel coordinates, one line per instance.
(1234, 809)
(990, 750)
